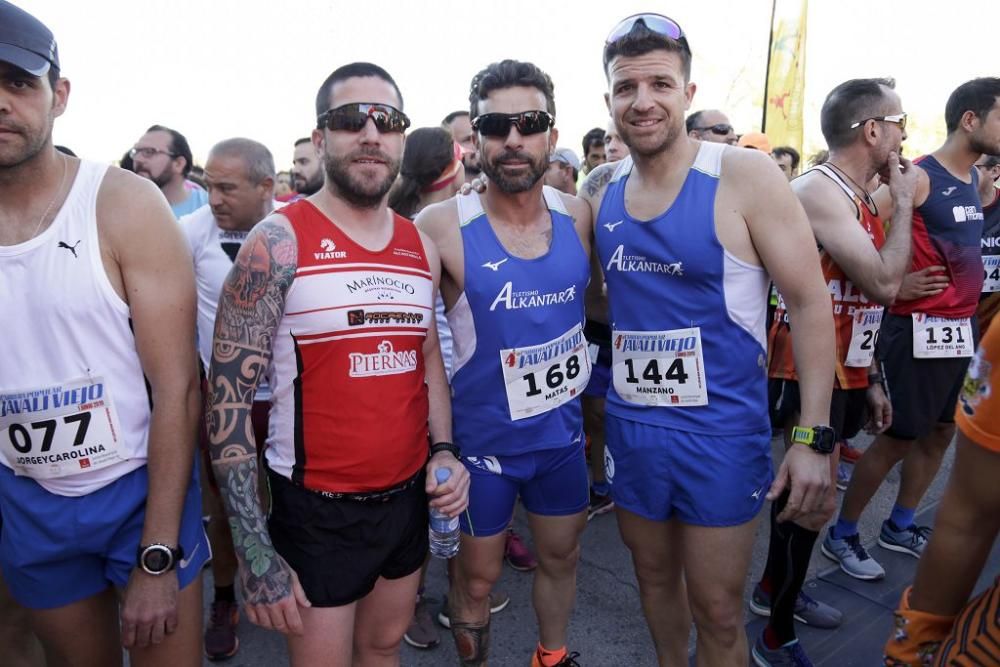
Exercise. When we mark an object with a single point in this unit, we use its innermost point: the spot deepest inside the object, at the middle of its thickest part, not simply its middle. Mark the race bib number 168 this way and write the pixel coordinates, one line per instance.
(659, 368)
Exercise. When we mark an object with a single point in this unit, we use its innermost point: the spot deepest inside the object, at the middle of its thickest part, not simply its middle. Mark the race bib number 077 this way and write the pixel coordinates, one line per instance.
(659, 368)
(60, 430)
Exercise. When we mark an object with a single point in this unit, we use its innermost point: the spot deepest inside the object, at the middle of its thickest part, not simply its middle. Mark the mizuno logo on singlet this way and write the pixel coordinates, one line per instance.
(495, 266)
(610, 226)
(945, 193)
(71, 248)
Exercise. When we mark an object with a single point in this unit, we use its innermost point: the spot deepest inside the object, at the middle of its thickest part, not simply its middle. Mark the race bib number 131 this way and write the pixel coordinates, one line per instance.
(660, 368)
(941, 337)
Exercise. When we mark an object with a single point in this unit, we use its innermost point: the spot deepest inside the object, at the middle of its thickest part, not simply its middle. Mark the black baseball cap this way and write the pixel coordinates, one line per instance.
(25, 42)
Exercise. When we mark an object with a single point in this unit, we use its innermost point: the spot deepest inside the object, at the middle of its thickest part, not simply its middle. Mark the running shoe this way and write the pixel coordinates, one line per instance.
(807, 610)
(789, 655)
(517, 553)
(844, 472)
(853, 558)
(568, 661)
(221, 641)
(498, 602)
(422, 633)
(599, 504)
(849, 453)
(910, 540)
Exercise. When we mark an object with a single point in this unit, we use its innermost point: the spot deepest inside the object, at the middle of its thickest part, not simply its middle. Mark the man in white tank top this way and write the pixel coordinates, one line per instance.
(96, 488)
(240, 177)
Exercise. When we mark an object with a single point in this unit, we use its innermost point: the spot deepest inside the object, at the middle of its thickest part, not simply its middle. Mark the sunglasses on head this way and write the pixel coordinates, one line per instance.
(526, 122)
(352, 118)
(659, 24)
(720, 129)
(898, 119)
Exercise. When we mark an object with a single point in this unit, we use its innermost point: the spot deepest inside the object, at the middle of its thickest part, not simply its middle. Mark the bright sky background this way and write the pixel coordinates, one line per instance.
(215, 69)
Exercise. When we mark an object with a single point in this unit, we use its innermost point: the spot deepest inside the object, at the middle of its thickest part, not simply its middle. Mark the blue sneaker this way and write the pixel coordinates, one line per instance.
(807, 610)
(910, 540)
(789, 655)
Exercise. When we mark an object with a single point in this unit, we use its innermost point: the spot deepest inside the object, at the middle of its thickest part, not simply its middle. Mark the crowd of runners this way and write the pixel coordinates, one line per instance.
(262, 372)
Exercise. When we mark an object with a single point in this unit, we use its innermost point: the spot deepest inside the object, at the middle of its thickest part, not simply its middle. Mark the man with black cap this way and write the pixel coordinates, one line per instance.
(98, 391)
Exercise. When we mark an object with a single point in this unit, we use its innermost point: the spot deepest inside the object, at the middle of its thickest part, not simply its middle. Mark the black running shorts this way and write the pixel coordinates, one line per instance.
(339, 548)
(923, 392)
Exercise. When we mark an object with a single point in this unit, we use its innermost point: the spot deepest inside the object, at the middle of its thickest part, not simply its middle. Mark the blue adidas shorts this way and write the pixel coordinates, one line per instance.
(56, 550)
(551, 482)
(702, 480)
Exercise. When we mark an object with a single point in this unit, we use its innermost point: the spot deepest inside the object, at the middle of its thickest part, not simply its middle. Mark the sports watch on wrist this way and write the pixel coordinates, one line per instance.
(820, 439)
(157, 559)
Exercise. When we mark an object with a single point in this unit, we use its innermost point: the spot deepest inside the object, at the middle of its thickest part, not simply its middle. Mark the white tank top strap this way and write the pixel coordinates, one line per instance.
(470, 207)
(822, 168)
(709, 158)
(553, 200)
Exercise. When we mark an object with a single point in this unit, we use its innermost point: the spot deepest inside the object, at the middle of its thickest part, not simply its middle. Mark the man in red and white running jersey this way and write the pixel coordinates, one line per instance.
(332, 299)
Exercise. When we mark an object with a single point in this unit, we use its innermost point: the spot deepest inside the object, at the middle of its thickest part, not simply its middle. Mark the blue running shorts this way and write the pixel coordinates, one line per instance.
(702, 480)
(56, 550)
(551, 482)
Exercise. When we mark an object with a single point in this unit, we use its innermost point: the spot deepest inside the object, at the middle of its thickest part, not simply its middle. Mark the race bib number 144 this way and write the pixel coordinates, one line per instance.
(659, 368)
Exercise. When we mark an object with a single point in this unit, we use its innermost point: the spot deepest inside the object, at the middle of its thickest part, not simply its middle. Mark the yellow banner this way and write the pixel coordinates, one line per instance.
(785, 89)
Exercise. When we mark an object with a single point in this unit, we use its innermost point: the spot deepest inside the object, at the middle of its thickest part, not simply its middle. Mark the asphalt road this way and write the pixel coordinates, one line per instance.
(607, 626)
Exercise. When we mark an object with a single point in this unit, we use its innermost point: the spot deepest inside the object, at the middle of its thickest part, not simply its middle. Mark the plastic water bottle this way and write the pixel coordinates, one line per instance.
(443, 530)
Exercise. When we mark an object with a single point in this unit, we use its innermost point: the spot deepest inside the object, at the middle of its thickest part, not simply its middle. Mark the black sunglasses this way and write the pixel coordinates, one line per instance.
(659, 24)
(720, 129)
(352, 118)
(498, 124)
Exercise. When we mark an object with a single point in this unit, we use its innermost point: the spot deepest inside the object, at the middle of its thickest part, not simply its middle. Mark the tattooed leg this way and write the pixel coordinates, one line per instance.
(472, 642)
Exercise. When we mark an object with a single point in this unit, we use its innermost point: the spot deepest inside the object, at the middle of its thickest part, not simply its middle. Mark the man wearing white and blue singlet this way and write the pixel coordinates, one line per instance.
(515, 266)
(687, 233)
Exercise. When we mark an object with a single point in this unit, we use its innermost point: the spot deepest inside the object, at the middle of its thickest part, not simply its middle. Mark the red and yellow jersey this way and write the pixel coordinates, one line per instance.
(349, 405)
(978, 410)
(853, 313)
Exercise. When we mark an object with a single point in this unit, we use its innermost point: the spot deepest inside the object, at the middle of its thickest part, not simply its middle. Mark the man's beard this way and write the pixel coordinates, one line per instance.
(514, 184)
(310, 186)
(669, 138)
(359, 192)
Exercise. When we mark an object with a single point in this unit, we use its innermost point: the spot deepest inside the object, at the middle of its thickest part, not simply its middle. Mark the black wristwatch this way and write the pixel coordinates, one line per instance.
(157, 559)
(446, 447)
(820, 439)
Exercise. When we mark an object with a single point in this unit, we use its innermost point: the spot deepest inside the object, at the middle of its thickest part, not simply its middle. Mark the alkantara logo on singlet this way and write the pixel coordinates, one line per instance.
(386, 361)
(638, 263)
(511, 300)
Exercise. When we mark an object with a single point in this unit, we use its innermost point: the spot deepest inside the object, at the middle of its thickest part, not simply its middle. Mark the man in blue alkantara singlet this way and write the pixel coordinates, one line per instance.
(687, 233)
(515, 268)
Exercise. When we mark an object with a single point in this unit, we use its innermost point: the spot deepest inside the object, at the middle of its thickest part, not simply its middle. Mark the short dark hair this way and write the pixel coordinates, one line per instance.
(592, 138)
(507, 74)
(691, 122)
(849, 102)
(303, 140)
(790, 152)
(977, 96)
(990, 161)
(350, 71)
(178, 146)
(640, 41)
(450, 118)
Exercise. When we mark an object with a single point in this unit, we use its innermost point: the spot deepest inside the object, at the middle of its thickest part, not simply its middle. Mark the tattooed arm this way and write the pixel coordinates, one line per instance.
(250, 308)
